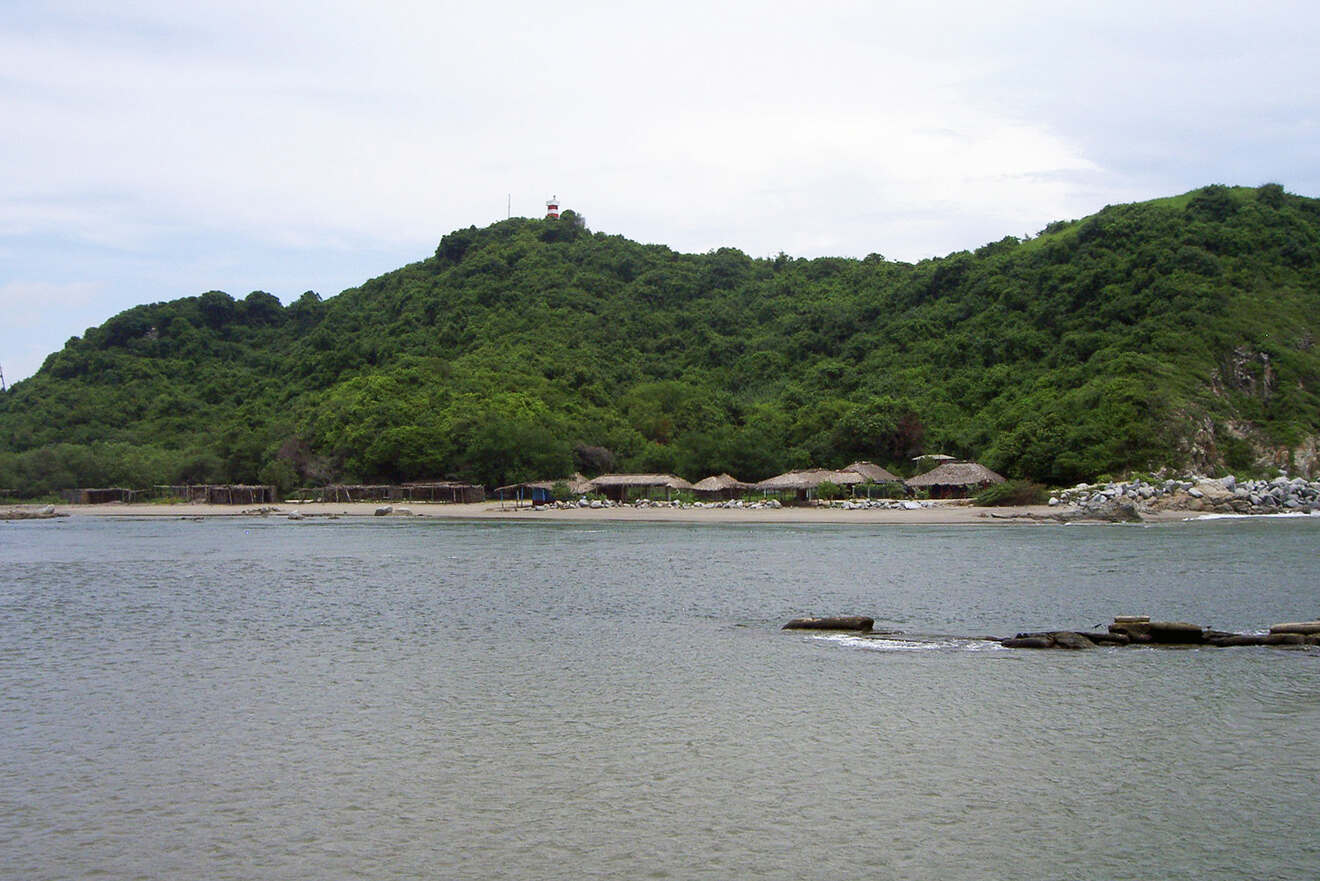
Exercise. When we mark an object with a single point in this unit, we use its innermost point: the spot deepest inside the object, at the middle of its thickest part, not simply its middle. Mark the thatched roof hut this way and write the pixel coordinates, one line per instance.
(539, 492)
(720, 486)
(873, 472)
(955, 480)
(620, 486)
(801, 481)
(804, 484)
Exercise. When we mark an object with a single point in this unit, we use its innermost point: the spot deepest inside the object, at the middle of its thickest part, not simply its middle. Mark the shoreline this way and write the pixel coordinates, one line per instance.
(939, 514)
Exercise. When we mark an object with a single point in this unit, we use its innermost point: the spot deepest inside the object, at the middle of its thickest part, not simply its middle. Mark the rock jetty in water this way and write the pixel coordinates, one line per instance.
(1140, 630)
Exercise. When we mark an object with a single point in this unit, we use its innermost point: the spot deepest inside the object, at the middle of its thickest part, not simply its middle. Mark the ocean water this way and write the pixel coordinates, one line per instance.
(248, 698)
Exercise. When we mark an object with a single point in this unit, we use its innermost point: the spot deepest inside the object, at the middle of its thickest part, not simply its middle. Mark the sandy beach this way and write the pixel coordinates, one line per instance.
(945, 514)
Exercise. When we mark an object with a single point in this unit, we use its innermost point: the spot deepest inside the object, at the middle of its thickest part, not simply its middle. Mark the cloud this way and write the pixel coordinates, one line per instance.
(27, 304)
(253, 144)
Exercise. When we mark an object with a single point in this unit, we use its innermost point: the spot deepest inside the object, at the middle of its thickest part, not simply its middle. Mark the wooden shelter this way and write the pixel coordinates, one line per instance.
(720, 488)
(236, 494)
(349, 492)
(443, 491)
(218, 493)
(622, 487)
(955, 480)
(99, 496)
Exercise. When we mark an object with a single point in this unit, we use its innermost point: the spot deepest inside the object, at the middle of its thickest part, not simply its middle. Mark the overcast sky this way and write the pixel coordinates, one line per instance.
(155, 150)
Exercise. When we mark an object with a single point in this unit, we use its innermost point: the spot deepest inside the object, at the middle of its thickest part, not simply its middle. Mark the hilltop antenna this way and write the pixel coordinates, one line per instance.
(509, 208)
(3, 388)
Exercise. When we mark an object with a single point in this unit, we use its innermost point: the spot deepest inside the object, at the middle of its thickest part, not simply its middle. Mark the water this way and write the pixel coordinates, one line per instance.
(245, 698)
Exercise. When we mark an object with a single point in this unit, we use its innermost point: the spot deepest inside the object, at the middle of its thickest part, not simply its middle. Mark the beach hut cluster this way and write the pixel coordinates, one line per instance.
(948, 479)
(266, 494)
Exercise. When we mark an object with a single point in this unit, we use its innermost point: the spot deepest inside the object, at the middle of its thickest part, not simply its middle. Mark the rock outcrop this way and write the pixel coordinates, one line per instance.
(1223, 495)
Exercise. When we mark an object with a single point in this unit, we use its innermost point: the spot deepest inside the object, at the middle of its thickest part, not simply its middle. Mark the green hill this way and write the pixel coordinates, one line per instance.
(1179, 332)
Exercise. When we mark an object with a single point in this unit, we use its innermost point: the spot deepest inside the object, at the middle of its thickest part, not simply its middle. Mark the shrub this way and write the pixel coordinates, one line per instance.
(882, 491)
(1012, 492)
(828, 491)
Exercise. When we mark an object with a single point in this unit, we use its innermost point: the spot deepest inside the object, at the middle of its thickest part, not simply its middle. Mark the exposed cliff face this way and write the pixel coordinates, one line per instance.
(1246, 372)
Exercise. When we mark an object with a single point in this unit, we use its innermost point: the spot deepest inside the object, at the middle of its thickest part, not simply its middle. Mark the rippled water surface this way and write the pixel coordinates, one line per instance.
(246, 698)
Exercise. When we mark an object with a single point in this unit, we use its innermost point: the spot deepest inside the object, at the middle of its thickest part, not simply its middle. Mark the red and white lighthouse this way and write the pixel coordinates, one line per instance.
(552, 208)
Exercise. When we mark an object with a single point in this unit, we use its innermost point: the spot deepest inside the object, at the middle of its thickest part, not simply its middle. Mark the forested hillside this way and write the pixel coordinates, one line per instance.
(1179, 332)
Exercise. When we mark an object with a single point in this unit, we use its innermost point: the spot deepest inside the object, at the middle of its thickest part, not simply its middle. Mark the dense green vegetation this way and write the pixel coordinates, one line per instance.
(1169, 333)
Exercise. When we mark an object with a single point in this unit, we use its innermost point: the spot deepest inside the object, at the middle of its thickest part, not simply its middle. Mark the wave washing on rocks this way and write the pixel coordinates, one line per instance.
(1137, 630)
(1128, 500)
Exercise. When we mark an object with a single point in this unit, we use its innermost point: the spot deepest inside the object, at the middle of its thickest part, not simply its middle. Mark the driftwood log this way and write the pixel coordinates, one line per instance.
(1306, 628)
(838, 622)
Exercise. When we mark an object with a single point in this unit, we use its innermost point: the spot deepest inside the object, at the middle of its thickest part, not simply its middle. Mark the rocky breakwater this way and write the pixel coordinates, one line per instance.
(1140, 630)
(1129, 500)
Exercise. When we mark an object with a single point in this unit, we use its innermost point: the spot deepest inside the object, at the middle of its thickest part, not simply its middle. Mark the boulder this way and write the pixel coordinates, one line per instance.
(1068, 639)
(1051, 639)
(837, 622)
(384, 510)
(1135, 631)
(1028, 642)
(1106, 638)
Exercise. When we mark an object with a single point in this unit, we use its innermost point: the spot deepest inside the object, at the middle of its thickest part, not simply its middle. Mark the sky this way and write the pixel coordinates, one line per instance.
(156, 150)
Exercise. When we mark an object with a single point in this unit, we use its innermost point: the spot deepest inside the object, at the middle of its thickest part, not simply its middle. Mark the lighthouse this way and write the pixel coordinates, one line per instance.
(552, 208)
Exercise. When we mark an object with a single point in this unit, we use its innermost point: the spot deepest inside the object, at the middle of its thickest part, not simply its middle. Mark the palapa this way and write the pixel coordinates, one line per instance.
(873, 472)
(952, 478)
(616, 486)
(805, 481)
(717, 482)
(720, 486)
